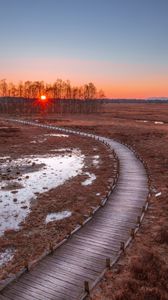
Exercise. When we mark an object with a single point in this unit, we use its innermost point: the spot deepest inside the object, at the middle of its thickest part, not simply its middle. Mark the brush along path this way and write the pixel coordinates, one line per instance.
(82, 257)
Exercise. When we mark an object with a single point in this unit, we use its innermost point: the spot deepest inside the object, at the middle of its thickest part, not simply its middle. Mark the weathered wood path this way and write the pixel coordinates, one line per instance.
(83, 256)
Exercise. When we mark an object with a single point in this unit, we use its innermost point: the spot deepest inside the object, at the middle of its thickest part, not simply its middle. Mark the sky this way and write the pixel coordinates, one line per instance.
(119, 45)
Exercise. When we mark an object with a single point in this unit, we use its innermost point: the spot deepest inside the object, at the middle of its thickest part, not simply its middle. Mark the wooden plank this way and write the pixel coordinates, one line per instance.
(91, 256)
(107, 229)
(110, 225)
(54, 277)
(3, 297)
(78, 261)
(51, 291)
(110, 240)
(44, 292)
(109, 243)
(87, 251)
(111, 233)
(53, 287)
(69, 264)
(77, 255)
(96, 236)
(115, 218)
(27, 288)
(93, 245)
(13, 295)
(67, 270)
(27, 294)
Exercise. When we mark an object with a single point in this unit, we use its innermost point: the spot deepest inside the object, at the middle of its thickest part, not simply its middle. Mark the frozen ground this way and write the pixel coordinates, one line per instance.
(25, 178)
(57, 134)
(90, 179)
(6, 256)
(57, 216)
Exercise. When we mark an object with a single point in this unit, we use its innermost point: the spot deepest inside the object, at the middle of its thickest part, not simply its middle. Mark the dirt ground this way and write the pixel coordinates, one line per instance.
(142, 273)
(34, 236)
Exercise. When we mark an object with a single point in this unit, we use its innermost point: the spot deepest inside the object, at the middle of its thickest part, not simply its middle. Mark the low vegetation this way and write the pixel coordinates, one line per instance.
(142, 272)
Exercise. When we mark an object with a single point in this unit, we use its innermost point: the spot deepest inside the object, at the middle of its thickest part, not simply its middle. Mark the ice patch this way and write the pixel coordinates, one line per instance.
(158, 194)
(157, 122)
(41, 140)
(57, 135)
(36, 175)
(89, 180)
(57, 216)
(96, 160)
(61, 150)
(6, 256)
(142, 121)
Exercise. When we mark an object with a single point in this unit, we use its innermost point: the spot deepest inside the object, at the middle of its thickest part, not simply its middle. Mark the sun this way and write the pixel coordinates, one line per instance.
(43, 97)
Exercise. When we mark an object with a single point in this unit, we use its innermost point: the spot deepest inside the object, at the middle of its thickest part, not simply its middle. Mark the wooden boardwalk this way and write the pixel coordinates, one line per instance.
(61, 275)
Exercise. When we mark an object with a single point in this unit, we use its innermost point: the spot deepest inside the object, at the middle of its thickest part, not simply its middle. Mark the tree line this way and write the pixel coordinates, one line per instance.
(58, 90)
(23, 106)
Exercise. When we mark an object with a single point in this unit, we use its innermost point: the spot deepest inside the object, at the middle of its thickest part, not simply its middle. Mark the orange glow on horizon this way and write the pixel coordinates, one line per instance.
(116, 79)
(140, 89)
(43, 98)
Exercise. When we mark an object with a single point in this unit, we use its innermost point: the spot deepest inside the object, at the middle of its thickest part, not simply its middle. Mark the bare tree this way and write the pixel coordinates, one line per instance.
(58, 90)
(3, 87)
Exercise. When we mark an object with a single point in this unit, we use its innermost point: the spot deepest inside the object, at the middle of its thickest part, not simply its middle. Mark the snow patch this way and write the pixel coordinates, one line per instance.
(57, 135)
(96, 160)
(89, 180)
(6, 256)
(142, 121)
(37, 175)
(158, 194)
(158, 122)
(58, 216)
(61, 150)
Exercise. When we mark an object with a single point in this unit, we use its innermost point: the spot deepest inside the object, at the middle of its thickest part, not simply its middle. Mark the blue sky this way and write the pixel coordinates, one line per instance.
(117, 43)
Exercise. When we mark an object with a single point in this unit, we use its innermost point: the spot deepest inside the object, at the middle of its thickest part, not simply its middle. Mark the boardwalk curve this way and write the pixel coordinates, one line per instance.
(82, 257)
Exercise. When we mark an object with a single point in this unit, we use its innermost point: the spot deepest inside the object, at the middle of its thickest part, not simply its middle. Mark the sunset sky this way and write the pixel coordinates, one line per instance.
(119, 45)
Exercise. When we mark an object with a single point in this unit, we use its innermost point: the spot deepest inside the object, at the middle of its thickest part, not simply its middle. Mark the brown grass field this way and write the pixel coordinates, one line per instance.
(142, 273)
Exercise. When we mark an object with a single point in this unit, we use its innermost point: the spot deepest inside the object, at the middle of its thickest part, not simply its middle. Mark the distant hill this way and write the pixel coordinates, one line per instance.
(157, 98)
(142, 101)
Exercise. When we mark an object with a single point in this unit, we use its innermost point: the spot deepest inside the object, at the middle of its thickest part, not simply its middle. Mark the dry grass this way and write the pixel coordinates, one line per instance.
(144, 279)
(142, 274)
(162, 235)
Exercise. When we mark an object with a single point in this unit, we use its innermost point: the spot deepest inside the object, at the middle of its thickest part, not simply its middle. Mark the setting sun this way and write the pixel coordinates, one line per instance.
(43, 97)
